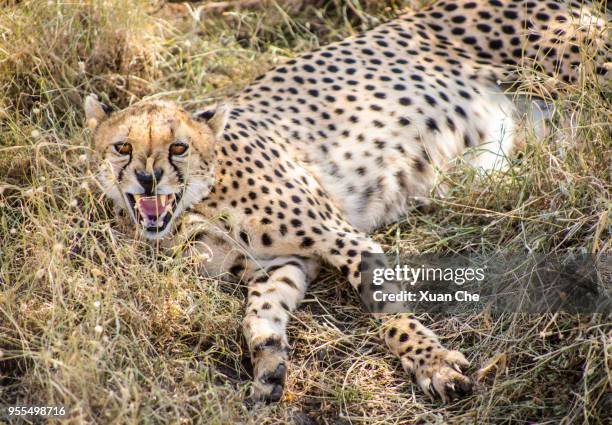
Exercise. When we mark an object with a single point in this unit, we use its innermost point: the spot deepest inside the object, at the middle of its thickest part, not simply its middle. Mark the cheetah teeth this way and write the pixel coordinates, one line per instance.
(153, 209)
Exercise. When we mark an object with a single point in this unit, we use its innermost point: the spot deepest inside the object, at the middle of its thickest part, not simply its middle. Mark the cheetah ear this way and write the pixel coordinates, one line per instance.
(95, 111)
(215, 118)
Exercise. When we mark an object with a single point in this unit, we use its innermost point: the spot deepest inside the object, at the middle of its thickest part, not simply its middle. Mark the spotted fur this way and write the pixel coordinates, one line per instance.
(324, 148)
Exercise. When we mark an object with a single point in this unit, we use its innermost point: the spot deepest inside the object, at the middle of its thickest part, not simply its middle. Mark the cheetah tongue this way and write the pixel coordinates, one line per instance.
(153, 207)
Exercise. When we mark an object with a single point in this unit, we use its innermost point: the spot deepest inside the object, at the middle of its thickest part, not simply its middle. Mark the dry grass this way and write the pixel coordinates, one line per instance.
(119, 333)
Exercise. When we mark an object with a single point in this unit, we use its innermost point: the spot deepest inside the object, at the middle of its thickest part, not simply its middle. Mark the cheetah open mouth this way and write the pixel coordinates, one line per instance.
(153, 212)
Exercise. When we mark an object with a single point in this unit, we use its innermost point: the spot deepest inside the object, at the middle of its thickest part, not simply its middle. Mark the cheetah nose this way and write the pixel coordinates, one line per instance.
(148, 180)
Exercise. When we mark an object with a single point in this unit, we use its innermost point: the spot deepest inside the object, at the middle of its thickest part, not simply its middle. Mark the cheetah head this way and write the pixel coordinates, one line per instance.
(155, 159)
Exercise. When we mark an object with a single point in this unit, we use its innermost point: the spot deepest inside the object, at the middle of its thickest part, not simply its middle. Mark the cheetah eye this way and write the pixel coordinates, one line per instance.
(122, 148)
(178, 148)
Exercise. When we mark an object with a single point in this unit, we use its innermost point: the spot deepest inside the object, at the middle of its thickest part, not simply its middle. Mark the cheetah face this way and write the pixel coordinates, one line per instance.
(155, 160)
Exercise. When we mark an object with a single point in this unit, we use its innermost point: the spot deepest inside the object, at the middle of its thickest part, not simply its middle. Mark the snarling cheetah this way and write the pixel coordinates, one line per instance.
(297, 168)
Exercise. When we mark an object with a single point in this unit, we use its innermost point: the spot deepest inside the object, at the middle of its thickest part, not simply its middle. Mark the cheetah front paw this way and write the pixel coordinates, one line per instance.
(269, 372)
(438, 373)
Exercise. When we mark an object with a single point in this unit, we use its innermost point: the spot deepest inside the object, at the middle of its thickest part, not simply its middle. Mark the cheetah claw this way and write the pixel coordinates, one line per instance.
(440, 376)
(269, 376)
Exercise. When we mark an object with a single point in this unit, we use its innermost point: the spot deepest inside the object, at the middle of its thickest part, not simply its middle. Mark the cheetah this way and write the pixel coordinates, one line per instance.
(297, 169)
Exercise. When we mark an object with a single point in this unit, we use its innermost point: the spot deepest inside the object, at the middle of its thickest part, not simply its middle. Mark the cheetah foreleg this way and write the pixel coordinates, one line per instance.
(436, 370)
(273, 294)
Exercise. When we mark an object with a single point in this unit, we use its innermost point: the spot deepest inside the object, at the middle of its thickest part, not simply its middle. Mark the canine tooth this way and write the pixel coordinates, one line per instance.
(162, 199)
